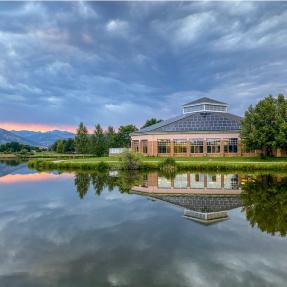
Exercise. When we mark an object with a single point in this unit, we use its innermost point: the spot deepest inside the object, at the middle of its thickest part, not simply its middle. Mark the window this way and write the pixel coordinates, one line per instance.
(231, 145)
(180, 181)
(192, 109)
(196, 146)
(145, 146)
(136, 146)
(163, 182)
(213, 146)
(180, 146)
(215, 108)
(163, 146)
(231, 181)
(197, 180)
(214, 181)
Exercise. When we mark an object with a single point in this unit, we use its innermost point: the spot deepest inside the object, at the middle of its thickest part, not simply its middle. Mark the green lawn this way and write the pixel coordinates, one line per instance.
(182, 159)
(248, 164)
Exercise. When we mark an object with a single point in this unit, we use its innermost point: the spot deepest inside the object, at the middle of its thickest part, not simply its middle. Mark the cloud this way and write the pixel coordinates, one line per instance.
(62, 63)
(117, 27)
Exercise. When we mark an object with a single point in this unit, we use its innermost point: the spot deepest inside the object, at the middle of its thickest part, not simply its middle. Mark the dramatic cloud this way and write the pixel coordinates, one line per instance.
(123, 62)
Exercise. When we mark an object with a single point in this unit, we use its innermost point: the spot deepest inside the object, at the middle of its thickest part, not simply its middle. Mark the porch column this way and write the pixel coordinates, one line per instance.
(188, 148)
(222, 153)
(204, 147)
(171, 148)
(239, 147)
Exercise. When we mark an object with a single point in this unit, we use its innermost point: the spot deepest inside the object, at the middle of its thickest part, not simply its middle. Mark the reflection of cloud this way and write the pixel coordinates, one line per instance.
(50, 236)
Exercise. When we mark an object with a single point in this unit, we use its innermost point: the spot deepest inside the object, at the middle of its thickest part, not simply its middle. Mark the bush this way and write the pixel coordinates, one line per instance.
(168, 165)
(130, 161)
(102, 166)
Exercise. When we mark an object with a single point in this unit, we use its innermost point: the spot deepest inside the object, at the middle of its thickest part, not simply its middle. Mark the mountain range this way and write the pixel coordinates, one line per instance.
(33, 138)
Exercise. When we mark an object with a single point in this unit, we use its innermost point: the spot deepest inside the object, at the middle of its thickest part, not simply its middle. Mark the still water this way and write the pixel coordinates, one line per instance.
(115, 229)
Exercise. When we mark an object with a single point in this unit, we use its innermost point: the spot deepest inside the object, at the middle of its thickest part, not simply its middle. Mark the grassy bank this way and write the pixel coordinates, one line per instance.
(43, 155)
(200, 164)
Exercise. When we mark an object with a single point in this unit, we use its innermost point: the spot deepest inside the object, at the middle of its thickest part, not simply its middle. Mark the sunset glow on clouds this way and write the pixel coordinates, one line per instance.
(35, 127)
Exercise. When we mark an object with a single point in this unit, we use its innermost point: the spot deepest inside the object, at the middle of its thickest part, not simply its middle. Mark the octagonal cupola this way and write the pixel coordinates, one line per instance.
(204, 105)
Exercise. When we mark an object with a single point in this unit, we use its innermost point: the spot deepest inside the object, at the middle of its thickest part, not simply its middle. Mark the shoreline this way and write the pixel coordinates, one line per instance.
(154, 164)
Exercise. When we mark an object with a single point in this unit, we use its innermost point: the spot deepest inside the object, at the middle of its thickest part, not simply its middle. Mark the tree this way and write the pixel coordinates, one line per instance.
(82, 140)
(110, 137)
(123, 138)
(69, 145)
(60, 146)
(151, 122)
(98, 145)
(264, 126)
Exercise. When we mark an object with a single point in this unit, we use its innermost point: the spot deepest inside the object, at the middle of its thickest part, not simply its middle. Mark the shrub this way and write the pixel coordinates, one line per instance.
(130, 161)
(168, 165)
(102, 166)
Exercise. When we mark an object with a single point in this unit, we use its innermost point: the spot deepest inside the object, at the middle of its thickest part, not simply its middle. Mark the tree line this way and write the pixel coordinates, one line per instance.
(100, 141)
(16, 147)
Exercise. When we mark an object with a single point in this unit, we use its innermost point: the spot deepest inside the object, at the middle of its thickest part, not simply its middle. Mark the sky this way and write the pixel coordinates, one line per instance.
(117, 63)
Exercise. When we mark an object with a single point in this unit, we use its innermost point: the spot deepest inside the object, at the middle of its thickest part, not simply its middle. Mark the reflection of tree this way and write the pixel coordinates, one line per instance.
(99, 181)
(82, 182)
(265, 203)
(126, 180)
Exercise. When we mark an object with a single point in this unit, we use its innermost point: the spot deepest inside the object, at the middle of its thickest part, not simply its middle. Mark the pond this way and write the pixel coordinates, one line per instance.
(147, 229)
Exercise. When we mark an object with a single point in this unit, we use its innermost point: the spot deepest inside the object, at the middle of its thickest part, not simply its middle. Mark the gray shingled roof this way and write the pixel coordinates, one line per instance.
(204, 100)
(199, 121)
(203, 203)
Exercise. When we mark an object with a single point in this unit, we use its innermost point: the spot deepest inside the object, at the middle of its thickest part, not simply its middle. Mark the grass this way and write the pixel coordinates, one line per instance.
(201, 164)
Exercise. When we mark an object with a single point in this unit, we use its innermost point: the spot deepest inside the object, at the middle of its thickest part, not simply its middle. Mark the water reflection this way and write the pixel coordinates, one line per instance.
(265, 203)
(204, 198)
(51, 237)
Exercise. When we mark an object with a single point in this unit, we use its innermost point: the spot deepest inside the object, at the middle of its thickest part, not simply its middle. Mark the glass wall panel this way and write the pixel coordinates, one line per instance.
(163, 146)
(180, 181)
(231, 181)
(231, 145)
(214, 181)
(180, 146)
(136, 145)
(196, 146)
(213, 145)
(163, 182)
(145, 146)
(197, 180)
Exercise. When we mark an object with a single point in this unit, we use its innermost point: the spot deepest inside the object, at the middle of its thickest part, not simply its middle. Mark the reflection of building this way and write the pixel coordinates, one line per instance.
(206, 198)
(204, 129)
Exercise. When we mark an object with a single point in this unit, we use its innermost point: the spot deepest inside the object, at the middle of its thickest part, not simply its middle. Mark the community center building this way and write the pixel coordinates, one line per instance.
(205, 128)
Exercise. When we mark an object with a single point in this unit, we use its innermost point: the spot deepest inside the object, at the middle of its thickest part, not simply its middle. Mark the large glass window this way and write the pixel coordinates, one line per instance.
(197, 180)
(180, 146)
(163, 182)
(180, 181)
(231, 145)
(213, 146)
(163, 146)
(145, 146)
(231, 181)
(196, 146)
(136, 146)
(214, 181)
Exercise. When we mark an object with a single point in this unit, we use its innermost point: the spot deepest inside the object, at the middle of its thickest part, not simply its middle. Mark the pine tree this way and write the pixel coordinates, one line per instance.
(82, 140)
